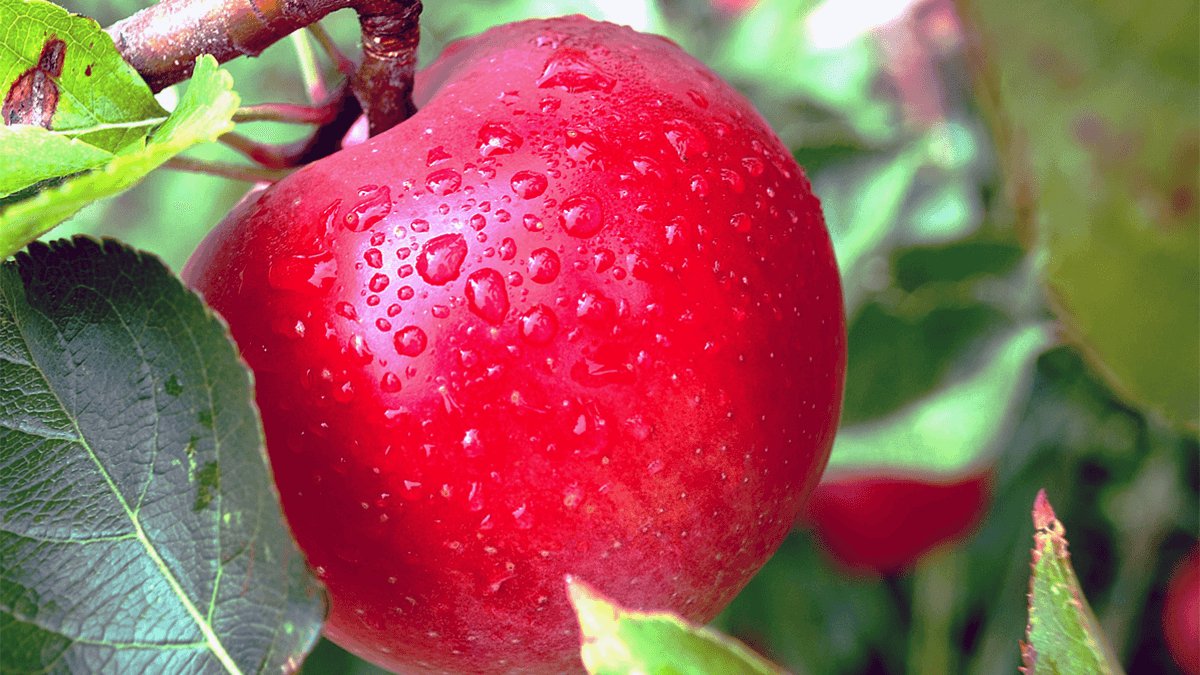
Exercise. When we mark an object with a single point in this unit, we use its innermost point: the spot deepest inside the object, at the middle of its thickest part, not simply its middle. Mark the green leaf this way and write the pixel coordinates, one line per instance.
(617, 641)
(775, 54)
(862, 200)
(1095, 107)
(141, 532)
(32, 154)
(68, 68)
(204, 113)
(1063, 636)
(951, 429)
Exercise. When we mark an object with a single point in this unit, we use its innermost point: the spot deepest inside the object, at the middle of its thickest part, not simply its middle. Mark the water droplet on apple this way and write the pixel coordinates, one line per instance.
(377, 238)
(405, 293)
(582, 145)
(677, 230)
(515, 279)
(523, 518)
(390, 383)
(303, 273)
(436, 155)
(475, 497)
(373, 257)
(486, 295)
(393, 310)
(654, 467)
(372, 300)
(472, 446)
(581, 215)
(549, 104)
(603, 259)
(497, 138)
(532, 223)
(593, 373)
(638, 428)
(741, 222)
(383, 324)
(508, 249)
(412, 490)
(439, 311)
(572, 71)
(469, 358)
(734, 180)
(420, 225)
(371, 210)
(528, 184)
(441, 259)
(543, 266)
(538, 325)
(646, 166)
(443, 182)
(477, 222)
(754, 166)
(687, 140)
(410, 341)
(347, 310)
(595, 308)
(378, 283)
(699, 185)
(697, 98)
(344, 392)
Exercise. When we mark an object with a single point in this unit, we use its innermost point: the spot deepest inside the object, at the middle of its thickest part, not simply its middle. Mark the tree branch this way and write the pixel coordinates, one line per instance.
(162, 42)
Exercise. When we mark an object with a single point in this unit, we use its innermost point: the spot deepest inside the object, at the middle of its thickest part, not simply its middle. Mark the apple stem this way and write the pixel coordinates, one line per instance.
(163, 41)
(384, 81)
(249, 174)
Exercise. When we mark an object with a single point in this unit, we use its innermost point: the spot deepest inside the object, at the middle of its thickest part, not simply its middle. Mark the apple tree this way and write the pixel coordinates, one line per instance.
(343, 335)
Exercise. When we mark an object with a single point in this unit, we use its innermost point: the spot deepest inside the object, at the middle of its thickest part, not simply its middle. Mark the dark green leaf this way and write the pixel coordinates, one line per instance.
(956, 426)
(954, 263)
(810, 617)
(141, 532)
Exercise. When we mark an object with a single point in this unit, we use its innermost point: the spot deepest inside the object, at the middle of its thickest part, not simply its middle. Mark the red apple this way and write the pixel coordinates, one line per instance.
(579, 315)
(879, 523)
(1181, 614)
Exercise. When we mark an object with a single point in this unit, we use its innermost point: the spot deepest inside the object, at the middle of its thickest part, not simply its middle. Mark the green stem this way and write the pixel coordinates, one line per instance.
(310, 72)
(242, 172)
(936, 586)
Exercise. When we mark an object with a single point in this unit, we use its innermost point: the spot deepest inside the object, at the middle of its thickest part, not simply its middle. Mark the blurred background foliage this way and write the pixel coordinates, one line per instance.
(1012, 192)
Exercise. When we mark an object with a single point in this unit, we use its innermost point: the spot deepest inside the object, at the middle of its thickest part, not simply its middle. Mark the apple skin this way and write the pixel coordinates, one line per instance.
(1181, 614)
(875, 523)
(579, 315)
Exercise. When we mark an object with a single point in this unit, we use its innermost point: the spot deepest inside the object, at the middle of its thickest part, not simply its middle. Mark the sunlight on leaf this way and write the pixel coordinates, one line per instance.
(955, 426)
(71, 77)
(1094, 106)
(204, 113)
(617, 641)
